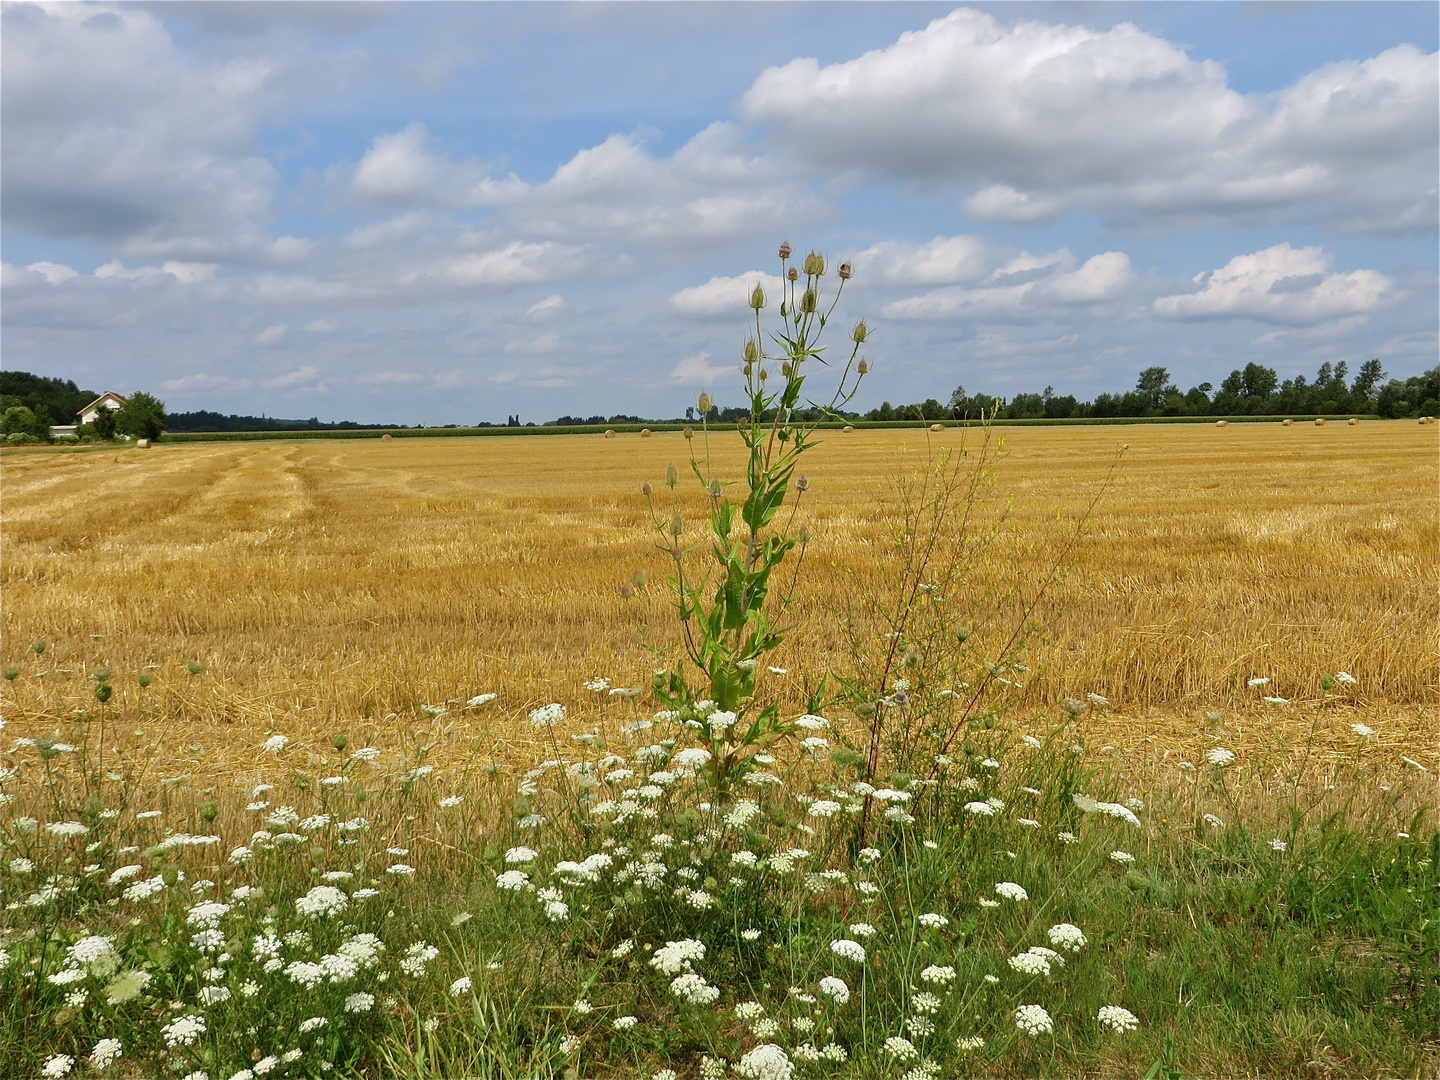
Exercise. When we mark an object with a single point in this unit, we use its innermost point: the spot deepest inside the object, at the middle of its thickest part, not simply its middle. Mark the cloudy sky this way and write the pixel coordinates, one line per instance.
(447, 213)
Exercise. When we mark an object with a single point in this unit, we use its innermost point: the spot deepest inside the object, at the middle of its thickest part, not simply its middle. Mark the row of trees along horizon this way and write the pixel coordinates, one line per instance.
(31, 404)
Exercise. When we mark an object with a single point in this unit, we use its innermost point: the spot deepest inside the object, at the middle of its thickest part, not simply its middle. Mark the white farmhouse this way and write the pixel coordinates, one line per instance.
(109, 400)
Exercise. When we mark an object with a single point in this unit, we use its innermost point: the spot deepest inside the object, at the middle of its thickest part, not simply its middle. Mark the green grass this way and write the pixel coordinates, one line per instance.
(1235, 958)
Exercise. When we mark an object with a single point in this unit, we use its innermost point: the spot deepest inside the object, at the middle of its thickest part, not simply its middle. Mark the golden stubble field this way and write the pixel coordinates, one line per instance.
(338, 585)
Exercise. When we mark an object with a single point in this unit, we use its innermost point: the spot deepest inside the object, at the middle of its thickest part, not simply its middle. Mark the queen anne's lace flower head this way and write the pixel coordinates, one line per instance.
(765, 1062)
(848, 950)
(1067, 936)
(835, 989)
(1117, 1019)
(1033, 1020)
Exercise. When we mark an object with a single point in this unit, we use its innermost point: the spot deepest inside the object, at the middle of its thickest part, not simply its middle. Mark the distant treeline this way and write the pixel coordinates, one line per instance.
(203, 420)
(1253, 390)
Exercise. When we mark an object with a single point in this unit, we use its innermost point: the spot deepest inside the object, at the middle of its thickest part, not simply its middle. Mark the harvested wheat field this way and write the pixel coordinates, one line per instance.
(333, 585)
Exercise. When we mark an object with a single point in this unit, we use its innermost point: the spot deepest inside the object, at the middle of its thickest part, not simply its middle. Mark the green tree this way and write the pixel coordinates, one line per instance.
(1368, 379)
(103, 425)
(20, 420)
(142, 416)
(1154, 388)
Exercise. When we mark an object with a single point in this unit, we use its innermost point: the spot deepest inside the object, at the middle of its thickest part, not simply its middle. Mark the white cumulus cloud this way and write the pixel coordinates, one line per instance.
(1281, 284)
(725, 297)
(1034, 117)
(698, 371)
(1025, 288)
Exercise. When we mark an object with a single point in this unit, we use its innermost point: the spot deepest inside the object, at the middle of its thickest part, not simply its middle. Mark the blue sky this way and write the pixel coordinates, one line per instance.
(448, 213)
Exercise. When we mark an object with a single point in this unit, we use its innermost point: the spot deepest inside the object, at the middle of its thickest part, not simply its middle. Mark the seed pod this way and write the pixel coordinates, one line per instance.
(802, 483)
(715, 489)
(638, 579)
(814, 264)
(786, 368)
(10, 673)
(862, 367)
(969, 748)
(672, 475)
(752, 351)
(860, 333)
(38, 647)
(808, 301)
(704, 404)
(785, 250)
(209, 811)
(144, 679)
(844, 271)
(646, 489)
(194, 667)
(793, 274)
(677, 525)
(803, 534)
(912, 659)
(757, 298)
(689, 433)
(103, 692)
(340, 742)
(624, 592)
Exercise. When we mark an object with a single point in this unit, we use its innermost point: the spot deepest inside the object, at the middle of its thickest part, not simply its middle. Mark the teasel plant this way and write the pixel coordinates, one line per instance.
(732, 612)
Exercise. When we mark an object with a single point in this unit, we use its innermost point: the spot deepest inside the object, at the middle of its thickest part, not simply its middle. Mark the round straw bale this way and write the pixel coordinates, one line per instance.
(849, 429)
(1222, 423)
(143, 444)
(610, 434)
(1287, 422)
(387, 437)
(1354, 421)
(644, 432)
(937, 427)
(1319, 421)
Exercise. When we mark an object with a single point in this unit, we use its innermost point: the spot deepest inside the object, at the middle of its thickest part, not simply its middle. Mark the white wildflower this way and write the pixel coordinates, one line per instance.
(1117, 1019)
(765, 1062)
(183, 1030)
(835, 989)
(694, 989)
(1010, 891)
(1067, 936)
(900, 1049)
(1033, 1020)
(675, 957)
(848, 950)
(1218, 755)
(105, 1053)
(322, 900)
(547, 715)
